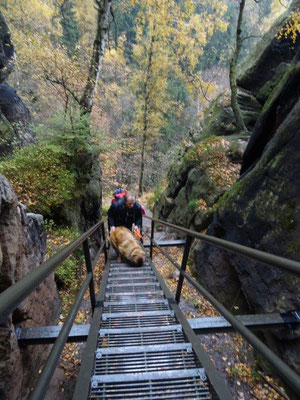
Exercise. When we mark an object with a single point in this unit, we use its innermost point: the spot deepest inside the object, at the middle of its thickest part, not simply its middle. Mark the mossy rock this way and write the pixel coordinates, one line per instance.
(218, 119)
(265, 91)
(206, 172)
(7, 134)
(261, 65)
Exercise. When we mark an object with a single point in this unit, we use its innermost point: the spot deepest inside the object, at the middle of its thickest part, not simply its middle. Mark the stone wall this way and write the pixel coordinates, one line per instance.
(22, 248)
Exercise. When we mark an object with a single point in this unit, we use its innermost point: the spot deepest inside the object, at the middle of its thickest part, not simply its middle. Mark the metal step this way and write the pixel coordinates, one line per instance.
(131, 280)
(120, 303)
(177, 328)
(152, 295)
(198, 373)
(106, 316)
(185, 388)
(131, 289)
(122, 278)
(131, 273)
(140, 338)
(144, 349)
(133, 285)
(140, 307)
(139, 322)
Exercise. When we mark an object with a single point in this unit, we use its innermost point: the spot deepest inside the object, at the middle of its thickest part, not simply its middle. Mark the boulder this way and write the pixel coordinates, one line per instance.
(268, 60)
(218, 118)
(207, 169)
(23, 247)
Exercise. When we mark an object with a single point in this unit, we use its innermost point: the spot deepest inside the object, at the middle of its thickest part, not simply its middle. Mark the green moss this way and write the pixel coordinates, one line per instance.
(276, 91)
(228, 198)
(193, 203)
(287, 216)
(294, 247)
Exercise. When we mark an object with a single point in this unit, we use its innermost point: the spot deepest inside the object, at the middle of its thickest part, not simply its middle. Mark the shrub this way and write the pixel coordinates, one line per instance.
(67, 273)
(40, 177)
(54, 170)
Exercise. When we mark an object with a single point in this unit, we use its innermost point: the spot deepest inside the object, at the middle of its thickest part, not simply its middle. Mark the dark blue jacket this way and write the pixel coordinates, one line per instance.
(120, 215)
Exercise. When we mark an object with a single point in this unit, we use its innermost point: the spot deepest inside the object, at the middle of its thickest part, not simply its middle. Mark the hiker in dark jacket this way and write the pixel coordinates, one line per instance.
(125, 212)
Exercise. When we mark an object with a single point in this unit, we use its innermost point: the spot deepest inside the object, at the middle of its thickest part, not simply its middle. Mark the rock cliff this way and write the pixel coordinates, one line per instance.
(14, 115)
(22, 248)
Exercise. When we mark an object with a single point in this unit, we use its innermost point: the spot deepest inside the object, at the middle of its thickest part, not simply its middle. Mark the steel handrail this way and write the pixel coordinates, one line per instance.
(44, 379)
(266, 258)
(15, 294)
(290, 376)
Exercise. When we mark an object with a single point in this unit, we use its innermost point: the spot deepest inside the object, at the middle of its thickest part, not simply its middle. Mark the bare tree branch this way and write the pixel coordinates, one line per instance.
(63, 85)
(280, 1)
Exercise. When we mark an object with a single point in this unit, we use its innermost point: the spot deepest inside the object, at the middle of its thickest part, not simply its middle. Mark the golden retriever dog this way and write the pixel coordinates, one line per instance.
(127, 246)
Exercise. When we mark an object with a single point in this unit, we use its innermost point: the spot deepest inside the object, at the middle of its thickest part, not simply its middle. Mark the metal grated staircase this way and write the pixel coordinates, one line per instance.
(139, 344)
(142, 350)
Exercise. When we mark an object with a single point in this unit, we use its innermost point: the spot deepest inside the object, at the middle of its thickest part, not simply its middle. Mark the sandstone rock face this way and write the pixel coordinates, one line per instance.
(7, 53)
(262, 70)
(83, 211)
(14, 115)
(23, 246)
(261, 211)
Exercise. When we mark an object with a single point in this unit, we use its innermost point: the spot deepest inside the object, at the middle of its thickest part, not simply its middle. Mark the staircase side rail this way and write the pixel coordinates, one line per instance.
(44, 379)
(286, 373)
(266, 258)
(15, 294)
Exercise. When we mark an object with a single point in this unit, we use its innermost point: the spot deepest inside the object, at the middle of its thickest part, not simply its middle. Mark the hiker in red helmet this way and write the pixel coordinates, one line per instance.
(126, 212)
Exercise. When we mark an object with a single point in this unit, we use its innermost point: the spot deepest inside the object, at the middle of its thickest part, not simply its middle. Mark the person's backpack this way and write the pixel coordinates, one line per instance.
(118, 194)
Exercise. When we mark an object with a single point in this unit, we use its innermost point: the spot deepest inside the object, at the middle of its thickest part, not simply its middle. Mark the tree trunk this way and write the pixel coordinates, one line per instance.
(232, 74)
(104, 9)
(141, 182)
(145, 122)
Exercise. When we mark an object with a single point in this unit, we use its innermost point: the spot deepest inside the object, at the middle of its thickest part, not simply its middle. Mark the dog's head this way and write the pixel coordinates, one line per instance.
(138, 257)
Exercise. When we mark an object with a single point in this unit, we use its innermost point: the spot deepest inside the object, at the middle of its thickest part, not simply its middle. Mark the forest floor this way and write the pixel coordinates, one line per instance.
(232, 356)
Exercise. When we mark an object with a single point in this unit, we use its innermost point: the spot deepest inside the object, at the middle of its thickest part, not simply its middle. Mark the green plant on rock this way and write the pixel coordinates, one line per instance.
(193, 203)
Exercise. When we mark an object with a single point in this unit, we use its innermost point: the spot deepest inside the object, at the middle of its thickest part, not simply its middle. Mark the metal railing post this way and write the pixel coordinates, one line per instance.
(151, 239)
(89, 268)
(189, 241)
(104, 240)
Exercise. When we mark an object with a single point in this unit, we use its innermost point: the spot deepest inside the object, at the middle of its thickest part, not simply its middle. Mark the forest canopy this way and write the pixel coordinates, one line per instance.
(164, 61)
